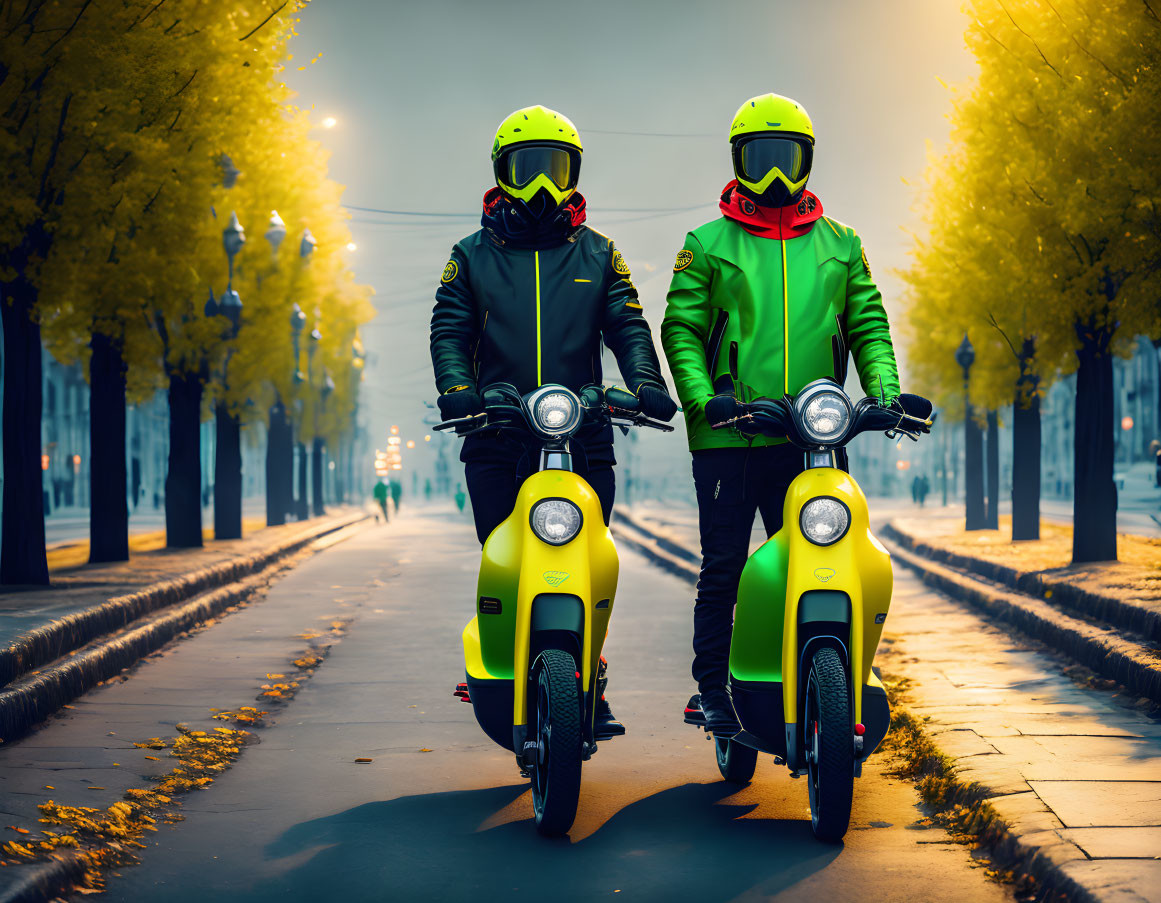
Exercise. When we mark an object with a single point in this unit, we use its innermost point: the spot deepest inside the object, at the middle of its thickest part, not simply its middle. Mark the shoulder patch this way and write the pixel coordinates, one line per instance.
(684, 259)
(866, 266)
(450, 272)
(619, 266)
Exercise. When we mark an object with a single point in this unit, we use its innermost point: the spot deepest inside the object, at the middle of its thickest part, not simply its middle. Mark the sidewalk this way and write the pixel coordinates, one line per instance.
(1071, 774)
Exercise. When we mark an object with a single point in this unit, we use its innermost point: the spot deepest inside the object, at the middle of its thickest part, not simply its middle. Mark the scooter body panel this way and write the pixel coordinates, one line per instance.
(520, 572)
(793, 592)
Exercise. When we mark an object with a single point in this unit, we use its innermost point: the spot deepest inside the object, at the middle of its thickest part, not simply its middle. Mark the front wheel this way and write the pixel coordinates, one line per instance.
(829, 745)
(735, 761)
(556, 773)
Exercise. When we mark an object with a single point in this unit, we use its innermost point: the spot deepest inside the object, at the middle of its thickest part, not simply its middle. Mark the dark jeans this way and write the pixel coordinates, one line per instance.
(732, 484)
(496, 466)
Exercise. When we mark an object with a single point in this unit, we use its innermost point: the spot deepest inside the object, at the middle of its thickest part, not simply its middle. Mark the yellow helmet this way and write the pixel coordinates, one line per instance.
(537, 149)
(772, 140)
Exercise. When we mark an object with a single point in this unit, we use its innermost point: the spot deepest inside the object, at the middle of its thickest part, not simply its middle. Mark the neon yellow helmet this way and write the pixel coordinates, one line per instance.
(772, 140)
(537, 149)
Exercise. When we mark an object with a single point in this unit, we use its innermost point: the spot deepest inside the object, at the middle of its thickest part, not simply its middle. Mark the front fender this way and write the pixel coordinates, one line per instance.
(518, 567)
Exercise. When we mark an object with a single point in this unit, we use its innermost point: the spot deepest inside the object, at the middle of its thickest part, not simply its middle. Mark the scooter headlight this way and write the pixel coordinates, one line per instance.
(556, 521)
(556, 413)
(826, 417)
(824, 520)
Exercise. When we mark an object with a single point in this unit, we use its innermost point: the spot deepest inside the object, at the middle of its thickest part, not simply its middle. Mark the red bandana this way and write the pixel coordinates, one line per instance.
(770, 222)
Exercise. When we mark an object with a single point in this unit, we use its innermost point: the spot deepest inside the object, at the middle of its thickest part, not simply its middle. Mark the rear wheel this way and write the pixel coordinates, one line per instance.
(556, 773)
(829, 746)
(735, 761)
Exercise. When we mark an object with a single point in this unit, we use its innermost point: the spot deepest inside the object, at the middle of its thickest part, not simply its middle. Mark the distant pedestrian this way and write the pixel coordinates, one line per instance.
(427, 489)
(380, 493)
(915, 489)
(924, 488)
(461, 497)
(396, 493)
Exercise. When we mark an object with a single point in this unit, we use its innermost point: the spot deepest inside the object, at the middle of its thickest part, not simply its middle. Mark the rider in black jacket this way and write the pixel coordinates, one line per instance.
(527, 300)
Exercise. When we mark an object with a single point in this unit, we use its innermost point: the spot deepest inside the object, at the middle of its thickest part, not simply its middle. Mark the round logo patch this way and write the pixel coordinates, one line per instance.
(450, 271)
(684, 259)
(619, 266)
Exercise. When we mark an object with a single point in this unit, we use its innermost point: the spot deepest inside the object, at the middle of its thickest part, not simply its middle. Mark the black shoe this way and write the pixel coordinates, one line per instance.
(718, 710)
(604, 724)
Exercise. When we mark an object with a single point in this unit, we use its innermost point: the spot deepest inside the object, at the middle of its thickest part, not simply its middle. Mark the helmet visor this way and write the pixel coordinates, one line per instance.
(523, 164)
(758, 156)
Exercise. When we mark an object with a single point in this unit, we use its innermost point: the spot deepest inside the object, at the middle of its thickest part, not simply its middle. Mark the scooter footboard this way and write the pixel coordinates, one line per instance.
(492, 704)
(758, 704)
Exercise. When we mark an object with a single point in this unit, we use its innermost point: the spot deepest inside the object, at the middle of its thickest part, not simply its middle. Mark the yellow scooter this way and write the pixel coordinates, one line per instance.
(812, 601)
(544, 597)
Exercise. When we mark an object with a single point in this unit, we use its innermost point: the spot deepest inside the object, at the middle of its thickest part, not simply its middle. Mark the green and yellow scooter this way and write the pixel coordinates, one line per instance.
(812, 601)
(547, 582)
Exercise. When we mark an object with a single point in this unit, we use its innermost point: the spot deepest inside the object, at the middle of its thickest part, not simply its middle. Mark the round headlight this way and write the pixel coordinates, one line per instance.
(825, 521)
(556, 413)
(556, 521)
(826, 416)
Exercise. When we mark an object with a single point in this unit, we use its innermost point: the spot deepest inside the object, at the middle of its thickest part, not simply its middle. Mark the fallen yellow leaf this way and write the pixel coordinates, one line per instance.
(425, 749)
(364, 761)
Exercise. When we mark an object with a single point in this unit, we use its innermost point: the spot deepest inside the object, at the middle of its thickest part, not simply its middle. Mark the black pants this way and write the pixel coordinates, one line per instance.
(732, 484)
(496, 466)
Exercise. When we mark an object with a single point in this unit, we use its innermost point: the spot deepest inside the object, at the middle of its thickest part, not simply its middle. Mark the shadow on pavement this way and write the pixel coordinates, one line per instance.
(680, 844)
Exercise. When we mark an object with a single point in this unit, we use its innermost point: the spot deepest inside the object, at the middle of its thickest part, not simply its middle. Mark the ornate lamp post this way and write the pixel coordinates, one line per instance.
(279, 448)
(228, 445)
(975, 518)
(316, 463)
(299, 504)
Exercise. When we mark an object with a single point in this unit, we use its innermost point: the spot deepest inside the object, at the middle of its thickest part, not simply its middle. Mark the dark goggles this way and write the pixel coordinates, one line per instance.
(521, 165)
(756, 157)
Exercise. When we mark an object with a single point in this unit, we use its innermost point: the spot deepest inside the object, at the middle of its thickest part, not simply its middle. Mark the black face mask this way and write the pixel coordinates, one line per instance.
(535, 225)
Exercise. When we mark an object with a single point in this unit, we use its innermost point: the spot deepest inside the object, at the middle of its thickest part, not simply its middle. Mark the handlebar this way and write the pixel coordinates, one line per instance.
(908, 415)
(504, 408)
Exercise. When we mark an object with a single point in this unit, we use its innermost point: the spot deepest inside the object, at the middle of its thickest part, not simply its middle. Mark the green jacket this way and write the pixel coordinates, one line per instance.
(775, 313)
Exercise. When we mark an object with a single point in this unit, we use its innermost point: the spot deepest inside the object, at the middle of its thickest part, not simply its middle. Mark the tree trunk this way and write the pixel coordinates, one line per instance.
(108, 507)
(316, 476)
(22, 552)
(278, 450)
(227, 475)
(973, 443)
(1026, 449)
(1094, 506)
(992, 512)
(183, 478)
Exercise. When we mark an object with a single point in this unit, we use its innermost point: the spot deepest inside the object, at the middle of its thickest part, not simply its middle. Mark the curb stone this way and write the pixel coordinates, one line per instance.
(32, 698)
(1102, 649)
(61, 636)
(1084, 602)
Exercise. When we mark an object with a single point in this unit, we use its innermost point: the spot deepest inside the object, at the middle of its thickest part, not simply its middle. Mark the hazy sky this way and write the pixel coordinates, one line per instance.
(418, 89)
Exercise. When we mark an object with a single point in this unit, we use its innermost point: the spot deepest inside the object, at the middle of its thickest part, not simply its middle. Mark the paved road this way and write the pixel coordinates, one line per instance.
(297, 819)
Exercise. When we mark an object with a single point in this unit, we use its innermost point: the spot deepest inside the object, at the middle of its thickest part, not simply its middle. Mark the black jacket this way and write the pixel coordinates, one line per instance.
(506, 312)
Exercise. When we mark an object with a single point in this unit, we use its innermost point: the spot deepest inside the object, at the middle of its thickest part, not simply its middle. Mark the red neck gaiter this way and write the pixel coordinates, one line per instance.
(781, 223)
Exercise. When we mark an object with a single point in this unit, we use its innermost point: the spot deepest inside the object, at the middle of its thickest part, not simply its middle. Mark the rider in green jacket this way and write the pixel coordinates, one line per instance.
(764, 300)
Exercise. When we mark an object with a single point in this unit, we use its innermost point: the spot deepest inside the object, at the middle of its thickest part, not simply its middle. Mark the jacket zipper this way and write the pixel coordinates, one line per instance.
(539, 375)
(785, 323)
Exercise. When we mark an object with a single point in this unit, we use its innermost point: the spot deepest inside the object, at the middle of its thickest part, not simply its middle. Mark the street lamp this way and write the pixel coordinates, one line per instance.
(975, 516)
(228, 442)
(297, 324)
(317, 445)
(279, 443)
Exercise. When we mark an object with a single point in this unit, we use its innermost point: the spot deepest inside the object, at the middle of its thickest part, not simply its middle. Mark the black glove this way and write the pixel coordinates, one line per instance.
(460, 403)
(721, 408)
(655, 402)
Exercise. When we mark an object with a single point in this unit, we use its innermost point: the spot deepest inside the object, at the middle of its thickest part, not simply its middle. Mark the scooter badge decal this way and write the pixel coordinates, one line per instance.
(555, 578)
(684, 259)
(449, 272)
(824, 574)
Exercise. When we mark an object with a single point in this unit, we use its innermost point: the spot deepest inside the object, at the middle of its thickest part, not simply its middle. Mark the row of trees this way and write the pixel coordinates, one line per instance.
(131, 131)
(1044, 241)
